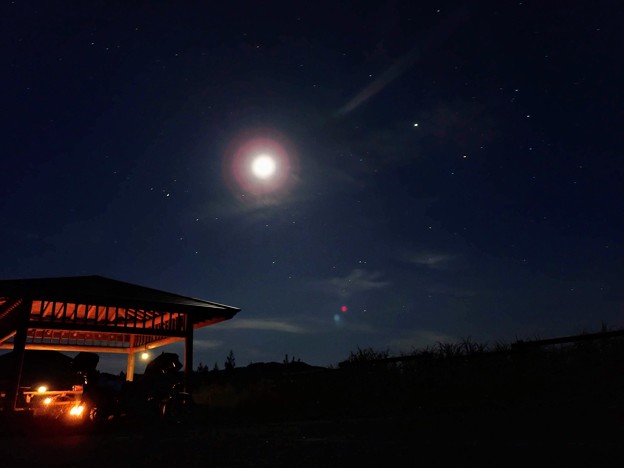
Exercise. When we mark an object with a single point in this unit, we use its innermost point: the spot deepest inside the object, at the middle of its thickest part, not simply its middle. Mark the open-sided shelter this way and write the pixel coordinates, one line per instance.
(97, 314)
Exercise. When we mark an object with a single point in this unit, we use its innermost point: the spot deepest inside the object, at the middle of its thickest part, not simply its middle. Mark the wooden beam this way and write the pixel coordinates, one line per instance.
(9, 336)
(10, 318)
(206, 309)
(44, 325)
(95, 349)
(71, 348)
(156, 344)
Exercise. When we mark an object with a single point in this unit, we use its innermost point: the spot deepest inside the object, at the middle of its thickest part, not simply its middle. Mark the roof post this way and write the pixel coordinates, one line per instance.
(130, 367)
(188, 353)
(131, 359)
(19, 349)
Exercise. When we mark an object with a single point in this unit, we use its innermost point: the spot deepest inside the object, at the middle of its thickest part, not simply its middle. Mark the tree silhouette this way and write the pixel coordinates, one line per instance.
(230, 361)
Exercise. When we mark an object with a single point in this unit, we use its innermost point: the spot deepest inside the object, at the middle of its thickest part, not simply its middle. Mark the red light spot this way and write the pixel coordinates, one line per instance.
(343, 309)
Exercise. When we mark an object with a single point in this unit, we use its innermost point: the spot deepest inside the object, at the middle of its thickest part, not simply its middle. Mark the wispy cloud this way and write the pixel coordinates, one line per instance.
(434, 260)
(435, 37)
(258, 207)
(264, 324)
(357, 281)
(387, 77)
(207, 344)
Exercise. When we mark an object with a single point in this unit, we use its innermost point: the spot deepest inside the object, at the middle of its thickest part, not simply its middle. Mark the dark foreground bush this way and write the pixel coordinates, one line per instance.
(579, 377)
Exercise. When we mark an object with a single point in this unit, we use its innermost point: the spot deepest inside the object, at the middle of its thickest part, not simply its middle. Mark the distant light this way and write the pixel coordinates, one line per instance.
(415, 125)
(47, 401)
(42, 389)
(145, 355)
(344, 309)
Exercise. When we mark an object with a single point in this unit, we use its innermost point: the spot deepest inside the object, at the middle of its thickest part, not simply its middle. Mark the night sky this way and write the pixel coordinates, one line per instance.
(431, 170)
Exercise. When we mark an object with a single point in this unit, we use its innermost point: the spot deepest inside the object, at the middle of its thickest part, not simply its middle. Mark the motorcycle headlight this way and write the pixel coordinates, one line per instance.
(76, 411)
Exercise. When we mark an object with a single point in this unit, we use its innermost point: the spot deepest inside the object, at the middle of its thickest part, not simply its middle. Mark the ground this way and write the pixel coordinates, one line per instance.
(493, 439)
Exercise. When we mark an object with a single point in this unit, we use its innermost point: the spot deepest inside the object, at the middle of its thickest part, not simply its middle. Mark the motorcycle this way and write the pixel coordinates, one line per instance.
(158, 392)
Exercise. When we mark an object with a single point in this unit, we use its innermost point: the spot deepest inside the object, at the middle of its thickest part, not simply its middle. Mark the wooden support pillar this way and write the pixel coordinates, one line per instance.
(131, 361)
(188, 354)
(130, 367)
(19, 349)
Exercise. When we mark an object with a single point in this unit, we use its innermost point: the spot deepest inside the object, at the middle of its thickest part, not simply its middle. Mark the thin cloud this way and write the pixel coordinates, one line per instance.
(259, 207)
(387, 77)
(438, 261)
(429, 42)
(265, 325)
(207, 344)
(357, 281)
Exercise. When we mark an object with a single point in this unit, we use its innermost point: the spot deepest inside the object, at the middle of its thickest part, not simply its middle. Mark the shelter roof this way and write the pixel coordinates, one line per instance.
(99, 290)
(94, 311)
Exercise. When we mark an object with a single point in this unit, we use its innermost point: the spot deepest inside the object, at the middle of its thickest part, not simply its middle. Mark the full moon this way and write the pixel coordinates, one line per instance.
(263, 166)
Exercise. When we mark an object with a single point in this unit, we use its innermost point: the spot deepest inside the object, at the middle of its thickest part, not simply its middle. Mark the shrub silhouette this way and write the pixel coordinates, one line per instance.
(524, 377)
